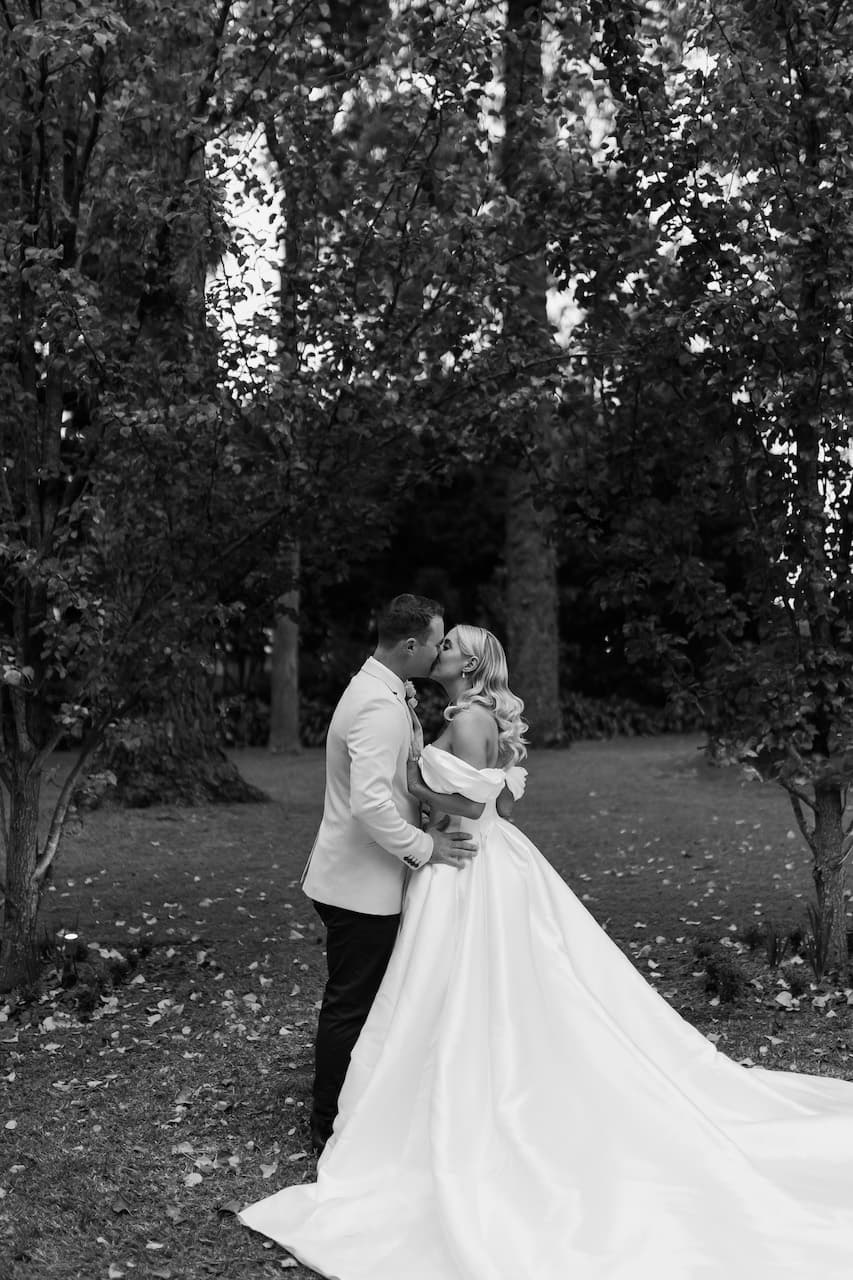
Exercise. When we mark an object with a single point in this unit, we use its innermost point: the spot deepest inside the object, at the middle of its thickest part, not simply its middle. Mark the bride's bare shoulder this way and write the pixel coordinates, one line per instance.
(475, 736)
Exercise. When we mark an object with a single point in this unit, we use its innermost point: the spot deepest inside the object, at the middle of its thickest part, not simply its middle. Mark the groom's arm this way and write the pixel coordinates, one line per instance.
(458, 806)
(373, 742)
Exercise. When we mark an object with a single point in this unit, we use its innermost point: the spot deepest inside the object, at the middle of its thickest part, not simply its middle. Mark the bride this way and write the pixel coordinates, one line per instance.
(521, 1104)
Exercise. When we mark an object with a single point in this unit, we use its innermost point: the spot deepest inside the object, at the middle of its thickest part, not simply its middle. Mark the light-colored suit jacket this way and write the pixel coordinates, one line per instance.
(370, 832)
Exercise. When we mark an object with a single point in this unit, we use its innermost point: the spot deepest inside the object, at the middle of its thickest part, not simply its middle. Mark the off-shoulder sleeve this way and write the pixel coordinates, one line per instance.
(516, 779)
(445, 773)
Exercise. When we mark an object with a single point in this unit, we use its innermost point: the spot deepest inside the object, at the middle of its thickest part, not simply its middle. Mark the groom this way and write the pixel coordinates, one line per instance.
(369, 837)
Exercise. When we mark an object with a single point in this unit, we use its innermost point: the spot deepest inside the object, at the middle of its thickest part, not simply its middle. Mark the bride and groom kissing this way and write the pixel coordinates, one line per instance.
(498, 1092)
(370, 812)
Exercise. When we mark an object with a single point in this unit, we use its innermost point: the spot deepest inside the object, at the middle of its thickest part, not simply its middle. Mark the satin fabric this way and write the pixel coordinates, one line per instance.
(521, 1103)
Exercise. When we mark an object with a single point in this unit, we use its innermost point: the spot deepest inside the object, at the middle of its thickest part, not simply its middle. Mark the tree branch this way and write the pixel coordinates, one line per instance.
(4, 9)
(797, 798)
(91, 138)
(205, 88)
(4, 828)
(54, 835)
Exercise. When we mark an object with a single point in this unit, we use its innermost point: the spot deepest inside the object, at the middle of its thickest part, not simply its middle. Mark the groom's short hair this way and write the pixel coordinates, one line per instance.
(406, 616)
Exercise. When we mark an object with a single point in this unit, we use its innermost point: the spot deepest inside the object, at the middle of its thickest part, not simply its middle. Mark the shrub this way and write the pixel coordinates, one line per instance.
(797, 982)
(817, 942)
(585, 717)
(753, 935)
(724, 978)
(777, 944)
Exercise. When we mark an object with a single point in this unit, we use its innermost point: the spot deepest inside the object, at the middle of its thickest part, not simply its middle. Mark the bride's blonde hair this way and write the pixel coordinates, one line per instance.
(490, 689)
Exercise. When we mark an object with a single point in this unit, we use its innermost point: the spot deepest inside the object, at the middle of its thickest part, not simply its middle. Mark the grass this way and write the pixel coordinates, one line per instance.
(128, 1139)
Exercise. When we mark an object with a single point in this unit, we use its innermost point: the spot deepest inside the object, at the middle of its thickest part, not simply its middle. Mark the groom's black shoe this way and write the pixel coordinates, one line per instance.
(320, 1134)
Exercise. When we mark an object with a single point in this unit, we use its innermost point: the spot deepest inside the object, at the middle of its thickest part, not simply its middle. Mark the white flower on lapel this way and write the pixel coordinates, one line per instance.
(411, 695)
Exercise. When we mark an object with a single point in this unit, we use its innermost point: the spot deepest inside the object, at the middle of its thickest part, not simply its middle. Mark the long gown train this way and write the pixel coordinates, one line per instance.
(521, 1103)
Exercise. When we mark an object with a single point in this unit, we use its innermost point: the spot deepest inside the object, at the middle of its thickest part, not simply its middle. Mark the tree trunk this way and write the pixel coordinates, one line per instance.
(171, 752)
(827, 845)
(18, 948)
(531, 615)
(531, 562)
(284, 672)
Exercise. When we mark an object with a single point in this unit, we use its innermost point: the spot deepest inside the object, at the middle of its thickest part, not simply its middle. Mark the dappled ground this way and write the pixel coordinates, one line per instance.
(128, 1139)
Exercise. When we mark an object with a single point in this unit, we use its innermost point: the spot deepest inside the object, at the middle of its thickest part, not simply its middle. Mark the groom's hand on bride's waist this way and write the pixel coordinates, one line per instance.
(451, 848)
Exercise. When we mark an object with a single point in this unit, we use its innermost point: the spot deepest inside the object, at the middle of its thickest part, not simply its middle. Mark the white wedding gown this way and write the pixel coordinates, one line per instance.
(522, 1105)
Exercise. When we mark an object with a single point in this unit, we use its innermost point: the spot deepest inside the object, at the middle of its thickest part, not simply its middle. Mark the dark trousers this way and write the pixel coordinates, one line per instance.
(358, 948)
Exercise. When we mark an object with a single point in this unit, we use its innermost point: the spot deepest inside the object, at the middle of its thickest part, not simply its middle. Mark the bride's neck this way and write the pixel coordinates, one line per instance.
(455, 690)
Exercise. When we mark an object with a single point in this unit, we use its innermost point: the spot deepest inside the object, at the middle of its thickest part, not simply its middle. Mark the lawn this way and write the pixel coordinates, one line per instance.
(135, 1122)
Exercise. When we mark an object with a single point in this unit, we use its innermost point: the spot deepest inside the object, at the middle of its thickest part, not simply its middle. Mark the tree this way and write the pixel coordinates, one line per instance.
(171, 751)
(718, 342)
(117, 470)
(381, 159)
(531, 559)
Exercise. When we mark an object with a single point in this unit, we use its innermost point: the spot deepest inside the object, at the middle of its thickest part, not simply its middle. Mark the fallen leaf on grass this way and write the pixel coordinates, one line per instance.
(267, 1170)
(193, 1179)
(231, 1206)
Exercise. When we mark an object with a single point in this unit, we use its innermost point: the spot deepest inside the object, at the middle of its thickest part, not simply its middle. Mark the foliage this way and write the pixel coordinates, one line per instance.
(817, 943)
(716, 342)
(713, 376)
(724, 978)
(121, 481)
(587, 717)
(776, 943)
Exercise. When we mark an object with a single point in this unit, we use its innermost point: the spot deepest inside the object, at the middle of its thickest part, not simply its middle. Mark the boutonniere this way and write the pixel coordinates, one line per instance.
(411, 695)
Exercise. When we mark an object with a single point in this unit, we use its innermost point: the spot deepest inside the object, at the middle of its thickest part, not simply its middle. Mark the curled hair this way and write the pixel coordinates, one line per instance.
(490, 689)
(406, 616)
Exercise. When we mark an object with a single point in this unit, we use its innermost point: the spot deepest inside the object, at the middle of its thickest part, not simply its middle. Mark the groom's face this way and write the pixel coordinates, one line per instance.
(426, 649)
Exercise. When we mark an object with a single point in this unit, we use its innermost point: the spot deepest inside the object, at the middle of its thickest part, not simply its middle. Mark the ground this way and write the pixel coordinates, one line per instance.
(136, 1120)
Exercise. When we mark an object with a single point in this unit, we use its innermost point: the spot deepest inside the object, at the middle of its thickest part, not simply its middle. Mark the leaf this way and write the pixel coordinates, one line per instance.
(230, 1206)
(193, 1179)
